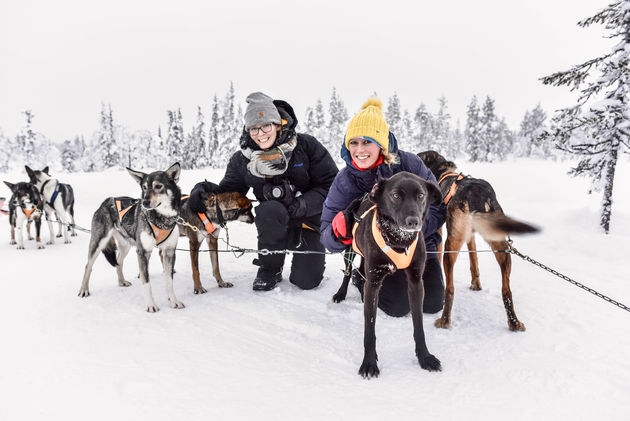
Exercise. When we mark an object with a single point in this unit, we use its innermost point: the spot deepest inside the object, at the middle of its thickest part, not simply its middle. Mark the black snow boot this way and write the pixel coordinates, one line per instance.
(266, 279)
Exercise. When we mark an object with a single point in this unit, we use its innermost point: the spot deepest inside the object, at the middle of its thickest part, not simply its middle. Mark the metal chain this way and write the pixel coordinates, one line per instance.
(512, 250)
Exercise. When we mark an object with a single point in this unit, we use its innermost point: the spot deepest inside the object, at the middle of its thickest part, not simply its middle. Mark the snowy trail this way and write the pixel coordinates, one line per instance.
(291, 354)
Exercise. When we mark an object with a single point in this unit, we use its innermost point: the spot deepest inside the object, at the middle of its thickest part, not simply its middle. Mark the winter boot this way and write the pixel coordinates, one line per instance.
(266, 279)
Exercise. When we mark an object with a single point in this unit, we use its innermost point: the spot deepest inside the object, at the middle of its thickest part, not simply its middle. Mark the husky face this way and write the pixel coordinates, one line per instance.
(38, 177)
(159, 189)
(25, 196)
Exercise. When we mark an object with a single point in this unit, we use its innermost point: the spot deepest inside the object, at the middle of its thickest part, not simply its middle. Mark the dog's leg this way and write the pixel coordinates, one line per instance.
(193, 243)
(97, 244)
(213, 245)
(169, 262)
(475, 283)
(74, 233)
(375, 275)
(453, 243)
(348, 257)
(38, 231)
(19, 227)
(59, 234)
(143, 265)
(505, 263)
(63, 220)
(416, 298)
(50, 227)
(28, 231)
(123, 247)
(12, 242)
(440, 247)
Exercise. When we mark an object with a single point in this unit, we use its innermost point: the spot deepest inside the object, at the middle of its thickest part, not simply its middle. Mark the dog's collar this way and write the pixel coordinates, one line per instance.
(400, 260)
(55, 193)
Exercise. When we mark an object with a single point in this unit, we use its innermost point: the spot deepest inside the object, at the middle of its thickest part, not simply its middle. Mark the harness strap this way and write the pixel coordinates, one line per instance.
(210, 228)
(28, 212)
(160, 235)
(55, 193)
(400, 260)
(121, 212)
(453, 188)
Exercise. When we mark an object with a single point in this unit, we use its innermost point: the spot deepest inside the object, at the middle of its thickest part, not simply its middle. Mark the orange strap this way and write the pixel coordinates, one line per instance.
(206, 223)
(122, 212)
(185, 197)
(160, 234)
(28, 212)
(400, 260)
(453, 188)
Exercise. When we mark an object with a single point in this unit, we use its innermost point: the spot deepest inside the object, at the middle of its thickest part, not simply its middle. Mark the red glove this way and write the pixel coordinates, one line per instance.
(342, 227)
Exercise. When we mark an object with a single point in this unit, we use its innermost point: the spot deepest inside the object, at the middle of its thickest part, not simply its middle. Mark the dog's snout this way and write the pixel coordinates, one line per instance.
(146, 203)
(412, 222)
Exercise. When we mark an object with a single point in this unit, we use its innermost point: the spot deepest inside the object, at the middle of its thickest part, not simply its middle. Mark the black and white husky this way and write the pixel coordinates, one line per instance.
(146, 223)
(25, 206)
(58, 198)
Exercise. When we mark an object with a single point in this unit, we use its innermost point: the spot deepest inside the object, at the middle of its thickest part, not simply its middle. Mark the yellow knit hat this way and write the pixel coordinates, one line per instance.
(369, 122)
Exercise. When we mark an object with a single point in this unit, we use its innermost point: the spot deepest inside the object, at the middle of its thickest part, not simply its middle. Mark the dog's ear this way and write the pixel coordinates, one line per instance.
(137, 175)
(211, 199)
(173, 172)
(10, 185)
(31, 174)
(375, 194)
(45, 170)
(435, 195)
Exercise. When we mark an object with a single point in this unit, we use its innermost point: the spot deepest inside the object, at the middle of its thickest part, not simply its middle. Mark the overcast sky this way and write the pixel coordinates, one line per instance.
(62, 58)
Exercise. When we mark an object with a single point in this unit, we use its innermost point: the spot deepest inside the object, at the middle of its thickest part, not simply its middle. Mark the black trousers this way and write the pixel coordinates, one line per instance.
(393, 297)
(277, 232)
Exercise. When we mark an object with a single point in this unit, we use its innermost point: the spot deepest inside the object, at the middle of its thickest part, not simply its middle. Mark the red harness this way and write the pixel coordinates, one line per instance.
(453, 188)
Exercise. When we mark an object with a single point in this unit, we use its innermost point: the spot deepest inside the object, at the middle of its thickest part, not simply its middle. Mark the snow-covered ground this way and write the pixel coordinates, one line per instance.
(293, 355)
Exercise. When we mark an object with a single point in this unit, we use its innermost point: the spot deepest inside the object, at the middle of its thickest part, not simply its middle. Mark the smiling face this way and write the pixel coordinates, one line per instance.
(364, 153)
(264, 135)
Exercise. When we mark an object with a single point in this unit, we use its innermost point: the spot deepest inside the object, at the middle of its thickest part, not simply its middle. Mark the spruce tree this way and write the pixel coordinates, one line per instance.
(489, 136)
(596, 127)
(336, 125)
(472, 132)
(423, 125)
(213, 133)
(393, 115)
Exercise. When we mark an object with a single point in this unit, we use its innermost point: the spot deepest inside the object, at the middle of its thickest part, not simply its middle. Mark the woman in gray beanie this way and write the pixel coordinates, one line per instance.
(290, 174)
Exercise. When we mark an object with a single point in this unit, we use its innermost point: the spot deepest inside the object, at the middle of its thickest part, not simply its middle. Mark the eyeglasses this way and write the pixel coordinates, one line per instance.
(266, 128)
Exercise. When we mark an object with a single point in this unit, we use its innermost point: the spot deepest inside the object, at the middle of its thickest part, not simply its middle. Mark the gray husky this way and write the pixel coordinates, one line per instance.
(58, 198)
(146, 223)
(25, 206)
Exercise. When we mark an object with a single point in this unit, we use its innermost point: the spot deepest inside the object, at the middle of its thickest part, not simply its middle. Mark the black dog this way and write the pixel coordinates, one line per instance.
(388, 237)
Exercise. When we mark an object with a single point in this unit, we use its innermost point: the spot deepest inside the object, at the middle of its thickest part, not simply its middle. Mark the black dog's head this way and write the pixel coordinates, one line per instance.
(37, 177)
(404, 200)
(159, 189)
(25, 195)
(437, 163)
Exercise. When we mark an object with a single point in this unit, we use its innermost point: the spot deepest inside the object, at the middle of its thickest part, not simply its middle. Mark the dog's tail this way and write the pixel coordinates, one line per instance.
(110, 252)
(495, 226)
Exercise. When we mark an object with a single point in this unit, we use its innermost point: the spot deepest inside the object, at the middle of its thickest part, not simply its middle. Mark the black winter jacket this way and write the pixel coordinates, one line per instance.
(311, 168)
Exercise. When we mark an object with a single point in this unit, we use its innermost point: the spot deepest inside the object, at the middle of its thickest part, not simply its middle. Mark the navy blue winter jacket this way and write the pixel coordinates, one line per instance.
(352, 183)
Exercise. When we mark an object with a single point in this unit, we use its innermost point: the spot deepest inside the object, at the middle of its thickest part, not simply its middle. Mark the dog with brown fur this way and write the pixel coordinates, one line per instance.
(472, 207)
(211, 211)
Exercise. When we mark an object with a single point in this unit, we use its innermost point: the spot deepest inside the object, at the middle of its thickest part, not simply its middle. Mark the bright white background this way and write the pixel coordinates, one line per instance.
(62, 58)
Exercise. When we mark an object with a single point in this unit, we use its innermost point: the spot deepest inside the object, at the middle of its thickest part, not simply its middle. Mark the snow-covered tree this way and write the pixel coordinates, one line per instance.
(393, 116)
(423, 130)
(213, 133)
(175, 139)
(532, 126)
(336, 125)
(596, 128)
(104, 149)
(441, 128)
(473, 132)
(196, 148)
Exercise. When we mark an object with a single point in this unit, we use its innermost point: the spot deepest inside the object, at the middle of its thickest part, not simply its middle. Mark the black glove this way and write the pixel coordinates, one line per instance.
(297, 209)
(200, 194)
(284, 192)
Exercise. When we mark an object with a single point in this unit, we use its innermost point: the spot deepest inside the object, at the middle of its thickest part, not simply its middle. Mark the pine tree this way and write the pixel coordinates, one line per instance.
(105, 150)
(336, 125)
(393, 115)
(69, 156)
(489, 137)
(532, 126)
(441, 128)
(196, 149)
(213, 133)
(423, 122)
(175, 140)
(596, 128)
(7, 149)
(473, 132)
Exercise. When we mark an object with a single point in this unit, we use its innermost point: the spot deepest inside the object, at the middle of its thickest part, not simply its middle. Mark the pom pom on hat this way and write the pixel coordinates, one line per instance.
(369, 122)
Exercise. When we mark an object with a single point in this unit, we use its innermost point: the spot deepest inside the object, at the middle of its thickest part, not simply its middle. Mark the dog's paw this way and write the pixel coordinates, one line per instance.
(223, 284)
(442, 323)
(430, 363)
(59, 235)
(200, 290)
(67, 241)
(176, 303)
(74, 234)
(12, 242)
(339, 297)
(517, 326)
(84, 293)
(124, 283)
(30, 238)
(369, 369)
(40, 246)
(50, 242)
(20, 247)
(152, 308)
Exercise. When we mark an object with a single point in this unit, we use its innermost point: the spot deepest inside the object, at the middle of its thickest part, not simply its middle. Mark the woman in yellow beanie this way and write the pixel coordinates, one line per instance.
(371, 152)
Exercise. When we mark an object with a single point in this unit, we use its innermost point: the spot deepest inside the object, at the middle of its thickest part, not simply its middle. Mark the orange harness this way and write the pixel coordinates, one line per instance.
(400, 260)
(210, 228)
(159, 234)
(28, 212)
(453, 188)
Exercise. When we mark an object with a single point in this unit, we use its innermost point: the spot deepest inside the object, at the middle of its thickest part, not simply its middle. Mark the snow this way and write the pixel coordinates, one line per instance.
(288, 354)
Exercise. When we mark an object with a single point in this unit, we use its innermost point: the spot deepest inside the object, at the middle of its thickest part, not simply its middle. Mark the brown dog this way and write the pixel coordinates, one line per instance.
(472, 206)
(220, 208)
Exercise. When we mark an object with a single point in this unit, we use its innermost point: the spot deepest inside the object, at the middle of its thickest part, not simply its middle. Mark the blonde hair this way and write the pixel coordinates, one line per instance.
(389, 158)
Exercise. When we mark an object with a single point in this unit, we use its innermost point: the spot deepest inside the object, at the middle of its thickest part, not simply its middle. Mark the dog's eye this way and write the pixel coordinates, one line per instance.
(396, 196)
(158, 186)
(420, 195)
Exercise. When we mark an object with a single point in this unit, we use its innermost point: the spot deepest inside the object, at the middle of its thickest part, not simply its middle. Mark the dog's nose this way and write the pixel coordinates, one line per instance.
(412, 222)
(146, 203)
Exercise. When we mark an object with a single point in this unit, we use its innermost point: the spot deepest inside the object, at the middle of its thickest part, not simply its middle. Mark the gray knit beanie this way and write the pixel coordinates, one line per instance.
(260, 110)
